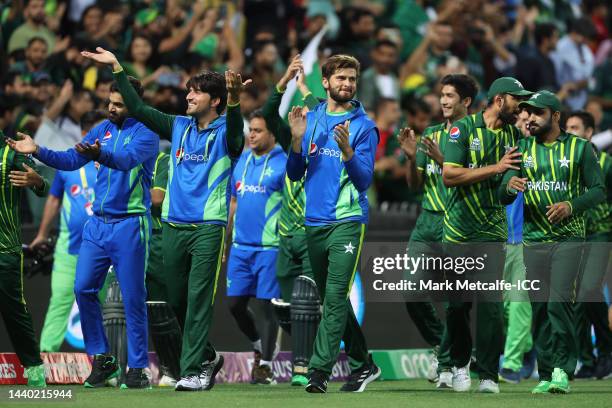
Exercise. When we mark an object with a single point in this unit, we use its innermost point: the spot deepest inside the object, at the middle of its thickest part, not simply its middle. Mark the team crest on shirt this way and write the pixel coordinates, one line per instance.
(75, 190)
(475, 146)
(454, 133)
(528, 163)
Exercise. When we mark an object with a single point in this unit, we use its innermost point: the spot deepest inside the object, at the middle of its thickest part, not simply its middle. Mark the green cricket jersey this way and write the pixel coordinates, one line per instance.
(474, 212)
(599, 219)
(10, 197)
(160, 181)
(565, 170)
(434, 191)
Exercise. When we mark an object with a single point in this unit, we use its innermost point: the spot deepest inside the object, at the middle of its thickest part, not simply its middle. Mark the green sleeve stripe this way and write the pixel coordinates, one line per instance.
(219, 258)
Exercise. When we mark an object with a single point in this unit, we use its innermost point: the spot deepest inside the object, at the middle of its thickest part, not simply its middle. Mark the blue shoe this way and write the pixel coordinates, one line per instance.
(529, 364)
(509, 376)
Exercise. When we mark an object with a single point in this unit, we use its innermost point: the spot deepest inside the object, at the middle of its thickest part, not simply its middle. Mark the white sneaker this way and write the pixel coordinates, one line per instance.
(488, 387)
(189, 383)
(461, 379)
(445, 380)
(432, 373)
(166, 381)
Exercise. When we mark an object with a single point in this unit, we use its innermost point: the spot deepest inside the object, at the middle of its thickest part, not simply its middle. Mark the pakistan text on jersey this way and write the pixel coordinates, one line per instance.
(544, 185)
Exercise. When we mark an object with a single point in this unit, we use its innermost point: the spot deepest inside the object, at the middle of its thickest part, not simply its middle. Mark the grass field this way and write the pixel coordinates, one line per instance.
(412, 393)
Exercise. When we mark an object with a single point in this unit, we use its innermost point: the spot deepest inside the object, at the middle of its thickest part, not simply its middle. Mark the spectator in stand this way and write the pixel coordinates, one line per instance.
(36, 53)
(358, 39)
(266, 68)
(380, 80)
(574, 61)
(34, 26)
(535, 68)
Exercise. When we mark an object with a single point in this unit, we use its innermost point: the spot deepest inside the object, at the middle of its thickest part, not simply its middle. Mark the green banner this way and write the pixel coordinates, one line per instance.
(402, 364)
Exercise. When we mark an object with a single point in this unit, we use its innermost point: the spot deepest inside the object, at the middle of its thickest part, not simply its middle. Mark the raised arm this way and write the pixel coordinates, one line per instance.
(234, 136)
(160, 123)
(296, 165)
(68, 160)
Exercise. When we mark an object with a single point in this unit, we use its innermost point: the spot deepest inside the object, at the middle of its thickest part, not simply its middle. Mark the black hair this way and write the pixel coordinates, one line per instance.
(465, 85)
(587, 119)
(35, 39)
(414, 105)
(583, 26)
(212, 83)
(252, 91)
(135, 84)
(358, 13)
(544, 31)
(130, 57)
(89, 119)
(381, 101)
(385, 43)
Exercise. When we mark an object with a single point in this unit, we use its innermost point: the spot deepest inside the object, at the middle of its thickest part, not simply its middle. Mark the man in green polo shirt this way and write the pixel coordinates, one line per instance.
(560, 178)
(479, 149)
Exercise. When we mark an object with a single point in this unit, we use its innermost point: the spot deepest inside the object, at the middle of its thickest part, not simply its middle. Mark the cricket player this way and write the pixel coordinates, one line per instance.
(298, 308)
(479, 149)
(71, 193)
(560, 178)
(590, 307)
(334, 145)
(205, 145)
(425, 171)
(118, 233)
(17, 172)
(257, 193)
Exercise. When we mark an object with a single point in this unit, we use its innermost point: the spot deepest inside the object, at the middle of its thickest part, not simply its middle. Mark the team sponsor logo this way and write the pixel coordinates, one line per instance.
(475, 146)
(312, 151)
(454, 133)
(75, 190)
(97, 165)
(89, 208)
(179, 152)
(528, 163)
(249, 188)
(544, 185)
(195, 157)
(324, 151)
(107, 135)
(433, 168)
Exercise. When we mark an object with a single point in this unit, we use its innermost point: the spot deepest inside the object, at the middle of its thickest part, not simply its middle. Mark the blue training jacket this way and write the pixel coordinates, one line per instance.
(514, 215)
(126, 167)
(335, 190)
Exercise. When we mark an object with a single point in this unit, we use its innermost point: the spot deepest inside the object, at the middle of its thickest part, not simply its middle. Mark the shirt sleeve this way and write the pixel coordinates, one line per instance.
(20, 160)
(234, 136)
(70, 159)
(360, 167)
(157, 121)
(57, 188)
(233, 185)
(296, 165)
(144, 146)
(160, 179)
(593, 179)
(455, 151)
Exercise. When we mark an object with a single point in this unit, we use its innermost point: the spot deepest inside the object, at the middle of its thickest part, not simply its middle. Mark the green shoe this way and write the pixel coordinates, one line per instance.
(559, 383)
(541, 388)
(299, 380)
(36, 376)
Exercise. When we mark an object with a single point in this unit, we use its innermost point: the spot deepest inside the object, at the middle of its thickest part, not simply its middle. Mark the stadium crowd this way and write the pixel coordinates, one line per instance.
(57, 80)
